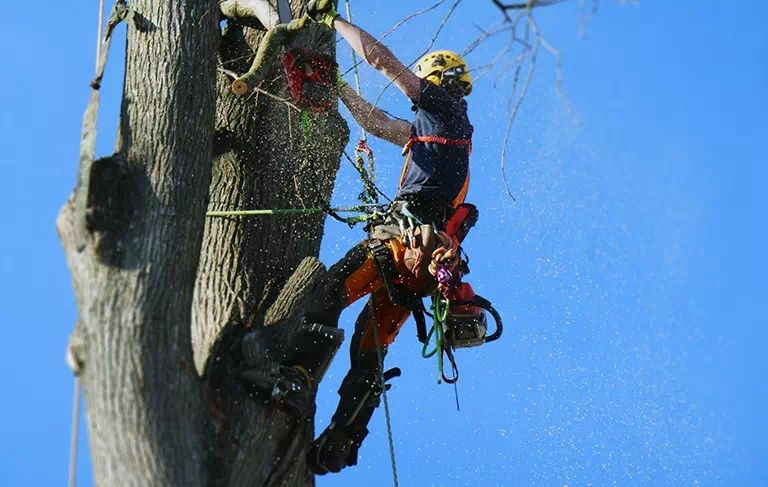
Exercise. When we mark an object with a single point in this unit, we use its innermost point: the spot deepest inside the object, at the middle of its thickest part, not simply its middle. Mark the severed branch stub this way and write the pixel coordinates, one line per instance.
(261, 14)
(276, 38)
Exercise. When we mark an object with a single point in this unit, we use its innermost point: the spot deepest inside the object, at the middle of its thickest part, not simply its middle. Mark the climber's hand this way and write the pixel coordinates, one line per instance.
(315, 7)
(322, 12)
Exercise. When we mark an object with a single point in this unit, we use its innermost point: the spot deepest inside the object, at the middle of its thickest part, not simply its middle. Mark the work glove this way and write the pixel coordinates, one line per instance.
(322, 12)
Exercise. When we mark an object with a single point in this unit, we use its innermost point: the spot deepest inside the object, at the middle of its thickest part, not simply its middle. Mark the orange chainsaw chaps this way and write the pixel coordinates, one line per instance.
(387, 318)
(362, 281)
(390, 317)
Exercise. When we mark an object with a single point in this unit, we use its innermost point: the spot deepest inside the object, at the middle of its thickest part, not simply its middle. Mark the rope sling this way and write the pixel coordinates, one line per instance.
(440, 310)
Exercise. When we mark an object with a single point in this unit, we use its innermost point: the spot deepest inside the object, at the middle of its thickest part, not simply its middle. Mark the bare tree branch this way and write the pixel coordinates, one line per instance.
(504, 7)
(394, 28)
(425, 51)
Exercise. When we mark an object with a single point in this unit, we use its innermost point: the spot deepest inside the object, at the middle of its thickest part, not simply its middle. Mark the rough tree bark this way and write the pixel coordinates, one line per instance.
(267, 155)
(159, 288)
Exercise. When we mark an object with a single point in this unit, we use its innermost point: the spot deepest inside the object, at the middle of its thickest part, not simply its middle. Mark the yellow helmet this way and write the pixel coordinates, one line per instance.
(446, 69)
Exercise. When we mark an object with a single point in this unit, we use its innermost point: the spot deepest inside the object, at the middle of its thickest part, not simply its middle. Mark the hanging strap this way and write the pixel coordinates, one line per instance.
(454, 367)
(441, 309)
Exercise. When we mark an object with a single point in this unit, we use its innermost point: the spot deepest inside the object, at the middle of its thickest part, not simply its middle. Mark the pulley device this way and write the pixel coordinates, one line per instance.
(311, 78)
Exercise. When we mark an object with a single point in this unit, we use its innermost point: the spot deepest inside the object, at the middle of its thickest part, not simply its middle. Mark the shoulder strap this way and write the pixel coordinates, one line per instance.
(433, 139)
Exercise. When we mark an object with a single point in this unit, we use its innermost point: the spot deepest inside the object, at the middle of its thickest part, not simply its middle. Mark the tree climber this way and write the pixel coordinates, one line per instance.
(433, 183)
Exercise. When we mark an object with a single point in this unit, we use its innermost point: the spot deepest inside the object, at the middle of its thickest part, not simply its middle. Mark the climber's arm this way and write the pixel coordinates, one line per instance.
(373, 119)
(379, 57)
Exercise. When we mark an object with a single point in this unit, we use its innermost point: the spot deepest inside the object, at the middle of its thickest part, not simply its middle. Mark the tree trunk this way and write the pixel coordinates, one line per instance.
(159, 287)
(267, 155)
(134, 274)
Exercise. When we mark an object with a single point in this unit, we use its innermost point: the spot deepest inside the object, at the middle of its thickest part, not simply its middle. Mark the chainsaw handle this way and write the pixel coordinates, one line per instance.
(483, 303)
(497, 318)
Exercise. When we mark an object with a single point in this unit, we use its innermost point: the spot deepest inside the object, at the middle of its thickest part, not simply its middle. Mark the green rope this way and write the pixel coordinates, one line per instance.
(278, 211)
(432, 352)
(296, 211)
(285, 211)
(440, 309)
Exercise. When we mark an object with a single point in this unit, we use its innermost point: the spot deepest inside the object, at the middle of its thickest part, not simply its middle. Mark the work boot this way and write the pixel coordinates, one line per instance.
(293, 391)
(262, 347)
(289, 388)
(338, 445)
(292, 383)
(331, 452)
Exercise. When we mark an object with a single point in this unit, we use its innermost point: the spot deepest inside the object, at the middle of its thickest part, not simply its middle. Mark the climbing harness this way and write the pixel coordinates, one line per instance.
(432, 139)
(458, 313)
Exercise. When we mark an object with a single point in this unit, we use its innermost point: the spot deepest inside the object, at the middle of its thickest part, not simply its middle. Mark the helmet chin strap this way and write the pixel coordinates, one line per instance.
(437, 73)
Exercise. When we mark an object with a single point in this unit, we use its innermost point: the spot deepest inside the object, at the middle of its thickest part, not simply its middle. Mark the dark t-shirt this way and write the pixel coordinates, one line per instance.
(437, 170)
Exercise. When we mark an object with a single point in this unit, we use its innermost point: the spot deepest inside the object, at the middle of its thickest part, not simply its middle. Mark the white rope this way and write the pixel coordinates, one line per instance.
(363, 135)
(74, 434)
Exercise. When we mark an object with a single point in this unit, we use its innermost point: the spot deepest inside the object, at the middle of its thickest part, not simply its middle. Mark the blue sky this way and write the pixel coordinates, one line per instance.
(630, 270)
